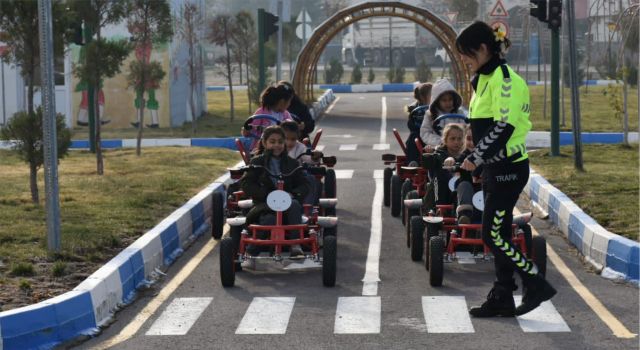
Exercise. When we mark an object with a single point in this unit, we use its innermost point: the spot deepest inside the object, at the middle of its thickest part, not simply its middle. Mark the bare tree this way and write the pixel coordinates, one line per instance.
(149, 21)
(244, 40)
(188, 24)
(221, 28)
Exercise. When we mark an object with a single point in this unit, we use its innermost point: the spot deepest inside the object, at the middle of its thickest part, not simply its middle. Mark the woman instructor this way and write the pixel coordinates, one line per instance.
(499, 115)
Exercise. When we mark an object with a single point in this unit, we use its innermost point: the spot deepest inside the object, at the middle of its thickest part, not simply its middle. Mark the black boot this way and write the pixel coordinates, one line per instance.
(499, 302)
(536, 291)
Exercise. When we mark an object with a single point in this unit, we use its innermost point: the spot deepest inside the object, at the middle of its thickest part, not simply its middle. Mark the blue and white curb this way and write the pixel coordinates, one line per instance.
(537, 139)
(322, 104)
(615, 256)
(92, 304)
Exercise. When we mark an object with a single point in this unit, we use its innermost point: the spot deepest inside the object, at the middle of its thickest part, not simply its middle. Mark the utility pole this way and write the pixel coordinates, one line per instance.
(49, 138)
(555, 88)
(279, 45)
(267, 25)
(88, 35)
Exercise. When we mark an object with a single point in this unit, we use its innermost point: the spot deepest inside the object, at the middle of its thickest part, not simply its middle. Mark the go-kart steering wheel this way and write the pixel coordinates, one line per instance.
(444, 119)
(255, 131)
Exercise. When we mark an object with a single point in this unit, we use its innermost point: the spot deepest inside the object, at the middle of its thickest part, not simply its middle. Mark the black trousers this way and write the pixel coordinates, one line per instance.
(502, 185)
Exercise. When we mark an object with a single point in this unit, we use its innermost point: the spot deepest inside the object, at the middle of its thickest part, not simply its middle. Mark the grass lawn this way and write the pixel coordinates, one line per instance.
(217, 122)
(608, 188)
(595, 111)
(100, 215)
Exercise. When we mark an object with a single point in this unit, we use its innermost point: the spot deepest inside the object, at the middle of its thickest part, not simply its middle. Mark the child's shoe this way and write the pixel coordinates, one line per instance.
(464, 212)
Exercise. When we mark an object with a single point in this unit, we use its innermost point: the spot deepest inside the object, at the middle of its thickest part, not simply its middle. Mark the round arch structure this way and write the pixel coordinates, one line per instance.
(308, 57)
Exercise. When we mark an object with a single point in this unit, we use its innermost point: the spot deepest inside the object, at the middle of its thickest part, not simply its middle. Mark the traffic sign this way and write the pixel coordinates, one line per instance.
(299, 31)
(452, 16)
(499, 10)
(306, 18)
(502, 25)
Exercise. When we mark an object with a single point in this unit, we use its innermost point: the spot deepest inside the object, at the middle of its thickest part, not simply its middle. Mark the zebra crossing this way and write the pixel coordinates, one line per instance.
(353, 315)
(354, 147)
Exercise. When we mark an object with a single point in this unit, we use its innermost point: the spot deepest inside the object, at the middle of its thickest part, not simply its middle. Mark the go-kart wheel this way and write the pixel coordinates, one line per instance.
(540, 254)
(330, 184)
(217, 216)
(227, 257)
(432, 231)
(388, 172)
(329, 260)
(330, 211)
(406, 187)
(417, 237)
(436, 264)
(396, 183)
(235, 233)
(330, 231)
(413, 194)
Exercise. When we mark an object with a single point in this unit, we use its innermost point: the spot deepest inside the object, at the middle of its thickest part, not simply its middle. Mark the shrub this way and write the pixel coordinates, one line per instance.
(423, 72)
(24, 285)
(333, 73)
(372, 75)
(59, 269)
(356, 75)
(22, 269)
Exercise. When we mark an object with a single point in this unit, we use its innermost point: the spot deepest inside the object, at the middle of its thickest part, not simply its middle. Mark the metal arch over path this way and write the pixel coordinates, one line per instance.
(308, 58)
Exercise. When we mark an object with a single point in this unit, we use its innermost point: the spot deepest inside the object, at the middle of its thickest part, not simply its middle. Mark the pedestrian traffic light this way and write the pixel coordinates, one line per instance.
(555, 14)
(269, 24)
(539, 9)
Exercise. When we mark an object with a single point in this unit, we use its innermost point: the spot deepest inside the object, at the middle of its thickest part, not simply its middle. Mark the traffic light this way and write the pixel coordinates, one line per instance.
(555, 14)
(539, 10)
(269, 24)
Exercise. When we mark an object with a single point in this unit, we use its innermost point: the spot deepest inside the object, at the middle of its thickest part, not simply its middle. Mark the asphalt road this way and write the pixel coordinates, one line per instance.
(272, 308)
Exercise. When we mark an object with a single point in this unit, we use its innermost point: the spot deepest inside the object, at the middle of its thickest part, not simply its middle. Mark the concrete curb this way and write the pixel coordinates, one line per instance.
(611, 254)
(322, 104)
(92, 304)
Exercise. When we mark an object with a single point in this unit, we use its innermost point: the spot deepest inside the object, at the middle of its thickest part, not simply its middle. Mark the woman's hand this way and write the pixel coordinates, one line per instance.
(449, 161)
(467, 165)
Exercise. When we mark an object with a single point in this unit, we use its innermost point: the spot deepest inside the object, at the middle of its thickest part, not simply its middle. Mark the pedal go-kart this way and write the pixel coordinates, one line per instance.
(394, 182)
(438, 236)
(312, 231)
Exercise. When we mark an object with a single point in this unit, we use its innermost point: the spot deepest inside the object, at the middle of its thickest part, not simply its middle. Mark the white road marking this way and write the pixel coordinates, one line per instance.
(406, 98)
(361, 97)
(372, 272)
(350, 147)
(332, 105)
(179, 316)
(267, 316)
(340, 136)
(446, 314)
(545, 318)
(378, 174)
(383, 123)
(381, 147)
(320, 148)
(465, 258)
(358, 315)
(344, 174)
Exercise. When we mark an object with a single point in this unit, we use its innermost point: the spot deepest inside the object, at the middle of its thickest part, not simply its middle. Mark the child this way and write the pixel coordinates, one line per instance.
(274, 101)
(467, 184)
(422, 94)
(257, 183)
(445, 100)
(451, 147)
(297, 150)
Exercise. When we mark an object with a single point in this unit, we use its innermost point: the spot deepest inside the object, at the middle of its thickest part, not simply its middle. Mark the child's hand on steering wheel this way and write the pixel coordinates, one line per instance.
(449, 161)
(316, 155)
(429, 149)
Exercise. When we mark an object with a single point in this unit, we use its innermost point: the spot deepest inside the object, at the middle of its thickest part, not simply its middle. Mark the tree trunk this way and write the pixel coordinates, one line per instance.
(33, 181)
(140, 123)
(240, 70)
(98, 124)
(246, 65)
(226, 43)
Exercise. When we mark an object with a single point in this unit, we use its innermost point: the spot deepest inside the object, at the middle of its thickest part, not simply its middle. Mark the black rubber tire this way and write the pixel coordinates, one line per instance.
(406, 188)
(235, 232)
(330, 211)
(540, 254)
(413, 194)
(396, 183)
(417, 237)
(431, 231)
(227, 257)
(330, 231)
(436, 261)
(329, 261)
(330, 184)
(217, 215)
(388, 172)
